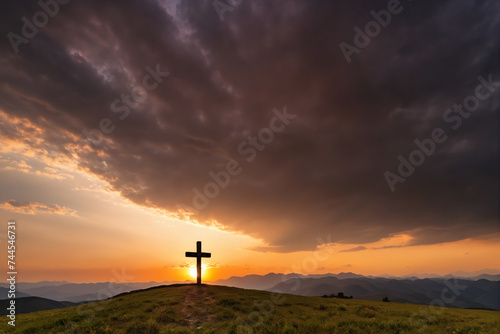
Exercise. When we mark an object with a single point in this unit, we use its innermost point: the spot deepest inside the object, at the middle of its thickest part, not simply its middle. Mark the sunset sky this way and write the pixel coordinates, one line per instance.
(132, 129)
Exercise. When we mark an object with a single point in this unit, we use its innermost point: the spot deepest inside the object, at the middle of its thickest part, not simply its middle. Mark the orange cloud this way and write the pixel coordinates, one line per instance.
(186, 265)
(31, 208)
(23, 166)
(393, 241)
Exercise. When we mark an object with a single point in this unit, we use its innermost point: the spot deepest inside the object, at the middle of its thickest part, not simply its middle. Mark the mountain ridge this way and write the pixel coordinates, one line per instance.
(464, 293)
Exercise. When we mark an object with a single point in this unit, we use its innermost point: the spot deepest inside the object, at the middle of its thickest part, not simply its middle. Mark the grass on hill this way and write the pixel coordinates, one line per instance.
(220, 309)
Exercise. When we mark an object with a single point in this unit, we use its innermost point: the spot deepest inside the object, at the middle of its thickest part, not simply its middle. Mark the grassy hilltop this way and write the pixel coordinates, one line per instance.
(220, 309)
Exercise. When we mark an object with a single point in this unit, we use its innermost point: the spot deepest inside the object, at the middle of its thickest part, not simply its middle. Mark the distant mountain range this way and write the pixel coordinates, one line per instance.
(265, 282)
(4, 292)
(483, 290)
(78, 292)
(457, 292)
(257, 282)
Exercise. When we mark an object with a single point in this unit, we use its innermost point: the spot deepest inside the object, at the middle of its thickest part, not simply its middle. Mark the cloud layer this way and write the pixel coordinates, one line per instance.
(33, 208)
(323, 174)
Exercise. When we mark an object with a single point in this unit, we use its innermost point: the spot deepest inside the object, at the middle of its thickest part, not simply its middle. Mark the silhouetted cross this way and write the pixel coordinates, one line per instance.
(198, 255)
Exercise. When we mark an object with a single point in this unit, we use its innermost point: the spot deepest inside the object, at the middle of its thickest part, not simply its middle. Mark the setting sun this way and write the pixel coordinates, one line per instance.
(192, 270)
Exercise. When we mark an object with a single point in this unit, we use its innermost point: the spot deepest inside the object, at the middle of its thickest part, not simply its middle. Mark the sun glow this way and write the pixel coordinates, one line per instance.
(192, 271)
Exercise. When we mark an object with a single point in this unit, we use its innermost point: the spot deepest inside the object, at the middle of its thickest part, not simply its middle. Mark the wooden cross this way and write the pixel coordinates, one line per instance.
(198, 255)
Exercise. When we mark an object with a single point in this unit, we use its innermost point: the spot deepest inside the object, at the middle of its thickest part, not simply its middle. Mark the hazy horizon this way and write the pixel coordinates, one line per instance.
(193, 279)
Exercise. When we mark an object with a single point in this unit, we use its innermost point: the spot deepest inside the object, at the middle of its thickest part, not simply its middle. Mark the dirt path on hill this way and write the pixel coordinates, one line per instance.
(196, 304)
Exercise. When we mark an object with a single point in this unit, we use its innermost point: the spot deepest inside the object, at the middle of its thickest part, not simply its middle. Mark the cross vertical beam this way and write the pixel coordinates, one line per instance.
(198, 263)
(198, 255)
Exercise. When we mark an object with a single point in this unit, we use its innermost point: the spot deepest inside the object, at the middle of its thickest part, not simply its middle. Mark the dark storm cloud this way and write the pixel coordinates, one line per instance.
(323, 175)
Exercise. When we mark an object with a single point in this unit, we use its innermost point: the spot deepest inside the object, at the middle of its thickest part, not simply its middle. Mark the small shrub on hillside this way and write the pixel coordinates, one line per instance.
(338, 295)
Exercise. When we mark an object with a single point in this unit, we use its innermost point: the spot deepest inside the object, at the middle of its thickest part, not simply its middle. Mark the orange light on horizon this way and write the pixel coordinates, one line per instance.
(192, 271)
